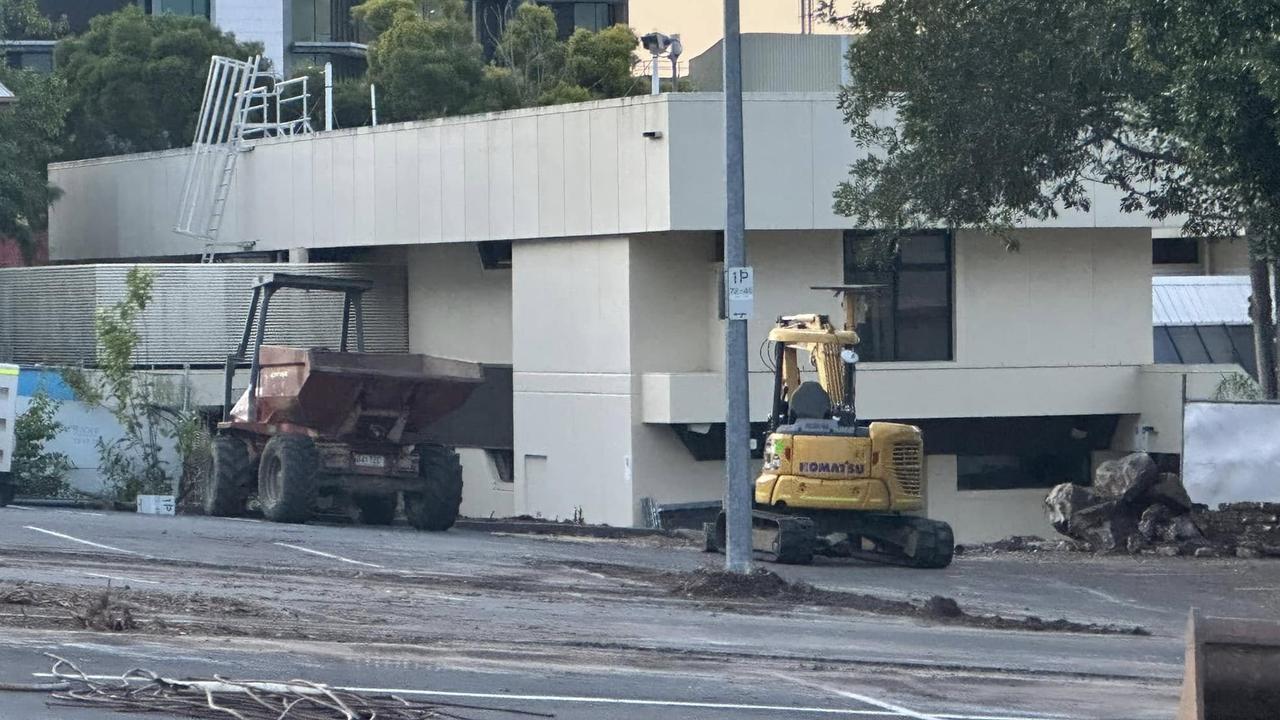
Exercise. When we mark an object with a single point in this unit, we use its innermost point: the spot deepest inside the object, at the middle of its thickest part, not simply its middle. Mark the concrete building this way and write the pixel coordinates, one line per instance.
(580, 246)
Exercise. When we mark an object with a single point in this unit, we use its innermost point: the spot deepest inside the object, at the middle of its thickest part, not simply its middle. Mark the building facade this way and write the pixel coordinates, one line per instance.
(580, 247)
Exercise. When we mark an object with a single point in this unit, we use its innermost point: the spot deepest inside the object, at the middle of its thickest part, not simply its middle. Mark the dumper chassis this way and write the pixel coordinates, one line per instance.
(338, 429)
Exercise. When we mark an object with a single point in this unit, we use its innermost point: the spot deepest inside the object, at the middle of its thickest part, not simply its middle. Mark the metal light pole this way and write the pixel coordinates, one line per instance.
(737, 441)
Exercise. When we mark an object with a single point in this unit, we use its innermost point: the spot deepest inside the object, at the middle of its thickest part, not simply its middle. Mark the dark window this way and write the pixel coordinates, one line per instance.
(178, 7)
(911, 317)
(1007, 472)
(495, 254)
(587, 15)
(1175, 251)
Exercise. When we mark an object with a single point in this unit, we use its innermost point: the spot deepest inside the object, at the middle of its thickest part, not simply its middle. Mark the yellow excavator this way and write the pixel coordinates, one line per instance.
(830, 484)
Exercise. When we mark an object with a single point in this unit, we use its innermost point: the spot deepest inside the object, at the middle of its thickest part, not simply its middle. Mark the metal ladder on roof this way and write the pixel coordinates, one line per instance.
(241, 101)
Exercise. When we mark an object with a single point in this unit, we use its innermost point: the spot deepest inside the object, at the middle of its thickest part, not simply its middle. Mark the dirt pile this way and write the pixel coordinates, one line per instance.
(713, 584)
(1133, 508)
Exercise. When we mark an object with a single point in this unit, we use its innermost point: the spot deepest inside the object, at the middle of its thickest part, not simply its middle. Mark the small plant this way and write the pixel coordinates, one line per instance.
(141, 403)
(1237, 386)
(36, 472)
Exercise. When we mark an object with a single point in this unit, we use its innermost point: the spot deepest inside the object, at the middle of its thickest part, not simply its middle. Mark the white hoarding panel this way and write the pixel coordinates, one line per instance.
(1231, 452)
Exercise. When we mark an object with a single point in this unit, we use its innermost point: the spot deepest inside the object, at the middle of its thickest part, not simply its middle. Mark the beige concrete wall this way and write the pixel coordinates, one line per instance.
(1227, 257)
(484, 494)
(583, 169)
(982, 515)
(573, 396)
(457, 308)
(580, 170)
(1058, 327)
(1065, 297)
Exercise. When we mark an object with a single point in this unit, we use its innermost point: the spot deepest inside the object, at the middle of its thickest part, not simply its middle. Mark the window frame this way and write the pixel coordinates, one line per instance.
(947, 266)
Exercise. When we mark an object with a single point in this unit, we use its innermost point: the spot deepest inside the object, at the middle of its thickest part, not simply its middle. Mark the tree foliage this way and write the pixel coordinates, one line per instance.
(983, 114)
(988, 113)
(143, 404)
(425, 64)
(136, 80)
(30, 138)
(38, 472)
(22, 20)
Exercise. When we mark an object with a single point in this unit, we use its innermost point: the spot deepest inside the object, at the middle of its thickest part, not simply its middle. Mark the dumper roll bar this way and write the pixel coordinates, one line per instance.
(266, 286)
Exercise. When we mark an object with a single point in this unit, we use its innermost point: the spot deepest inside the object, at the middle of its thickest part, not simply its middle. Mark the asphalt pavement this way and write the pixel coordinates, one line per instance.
(579, 628)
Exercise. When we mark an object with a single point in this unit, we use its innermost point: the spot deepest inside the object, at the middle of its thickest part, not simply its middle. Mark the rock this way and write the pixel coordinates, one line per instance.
(1153, 521)
(1183, 528)
(1106, 526)
(1168, 550)
(1135, 543)
(1126, 479)
(1169, 491)
(1064, 501)
(1244, 551)
(1207, 551)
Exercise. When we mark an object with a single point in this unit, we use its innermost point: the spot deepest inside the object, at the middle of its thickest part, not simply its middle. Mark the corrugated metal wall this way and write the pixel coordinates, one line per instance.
(196, 314)
(777, 62)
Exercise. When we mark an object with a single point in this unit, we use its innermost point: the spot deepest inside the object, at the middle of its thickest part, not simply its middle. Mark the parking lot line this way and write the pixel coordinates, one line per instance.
(893, 709)
(331, 556)
(590, 700)
(78, 540)
(122, 578)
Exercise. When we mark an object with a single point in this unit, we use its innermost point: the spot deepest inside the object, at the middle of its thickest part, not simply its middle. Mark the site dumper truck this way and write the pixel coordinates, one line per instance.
(343, 427)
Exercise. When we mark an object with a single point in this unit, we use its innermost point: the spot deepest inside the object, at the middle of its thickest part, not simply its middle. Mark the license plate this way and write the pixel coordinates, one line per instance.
(369, 461)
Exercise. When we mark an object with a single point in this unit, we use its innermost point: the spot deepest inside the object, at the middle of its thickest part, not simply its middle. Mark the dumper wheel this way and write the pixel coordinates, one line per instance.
(435, 506)
(287, 478)
(230, 476)
(6, 489)
(376, 509)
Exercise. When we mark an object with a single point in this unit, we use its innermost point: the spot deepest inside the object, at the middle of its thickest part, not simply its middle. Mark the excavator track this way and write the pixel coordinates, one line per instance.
(775, 537)
(902, 540)
(793, 538)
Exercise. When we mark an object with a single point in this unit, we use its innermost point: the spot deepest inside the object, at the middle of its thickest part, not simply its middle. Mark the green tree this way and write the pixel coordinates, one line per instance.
(136, 80)
(426, 64)
(983, 114)
(22, 20)
(603, 62)
(30, 138)
(36, 471)
(143, 404)
(532, 52)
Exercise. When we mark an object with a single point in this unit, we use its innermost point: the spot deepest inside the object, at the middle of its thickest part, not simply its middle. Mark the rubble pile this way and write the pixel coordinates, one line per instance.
(1132, 507)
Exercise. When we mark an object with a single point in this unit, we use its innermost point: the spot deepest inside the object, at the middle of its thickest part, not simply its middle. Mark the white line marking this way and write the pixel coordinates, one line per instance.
(586, 700)
(82, 542)
(20, 507)
(897, 710)
(252, 520)
(328, 555)
(120, 577)
(894, 709)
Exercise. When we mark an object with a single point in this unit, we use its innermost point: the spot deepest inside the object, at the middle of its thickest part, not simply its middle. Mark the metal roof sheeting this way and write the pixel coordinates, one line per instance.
(1199, 300)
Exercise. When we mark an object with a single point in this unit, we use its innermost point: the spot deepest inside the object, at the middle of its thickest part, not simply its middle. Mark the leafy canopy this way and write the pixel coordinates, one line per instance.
(986, 113)
(30, 138)
(136, 80)
(425, 64)
(22, 20)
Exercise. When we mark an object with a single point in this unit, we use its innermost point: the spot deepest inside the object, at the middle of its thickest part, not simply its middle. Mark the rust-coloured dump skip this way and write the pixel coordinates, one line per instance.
(1232, 669)
(357, 396)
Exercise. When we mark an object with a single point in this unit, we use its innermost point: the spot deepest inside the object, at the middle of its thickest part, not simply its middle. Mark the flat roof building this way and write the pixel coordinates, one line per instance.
(580, 246)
